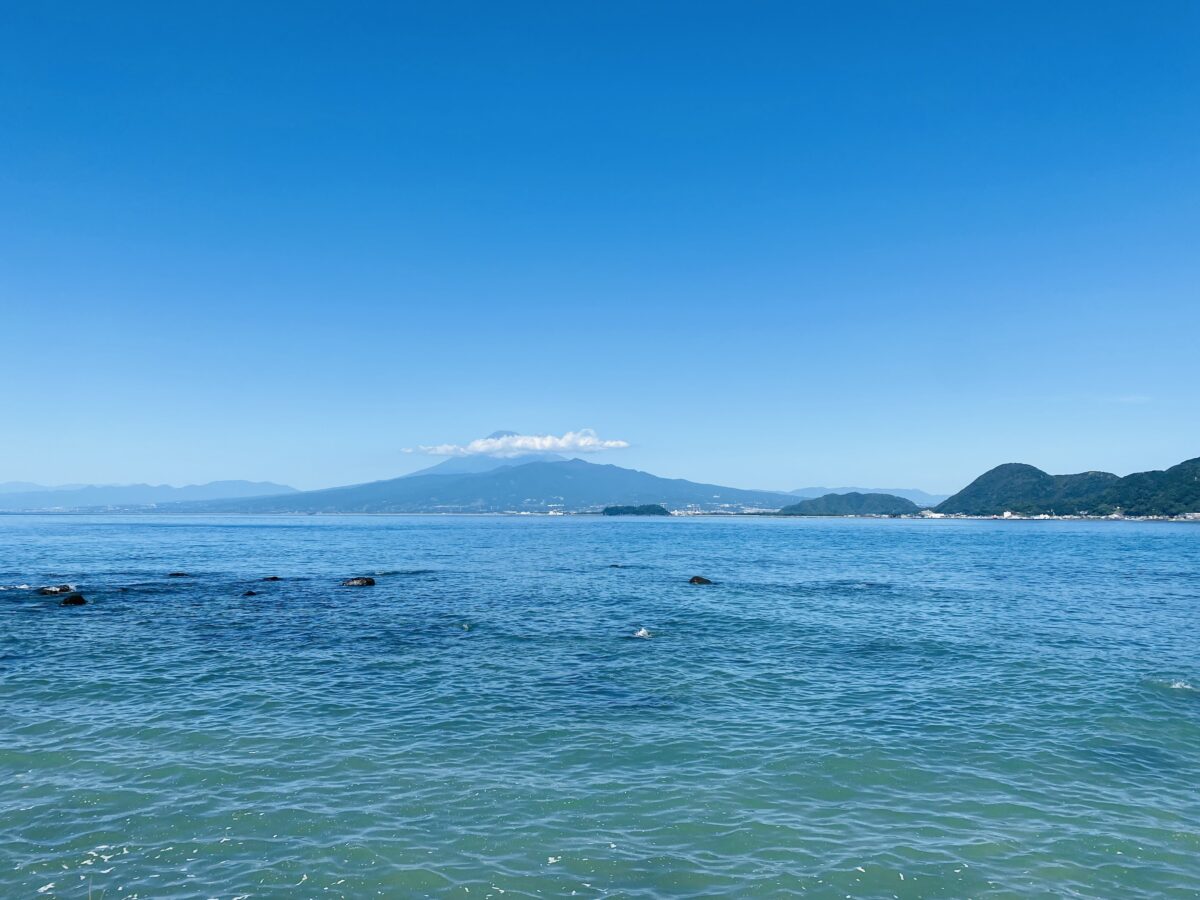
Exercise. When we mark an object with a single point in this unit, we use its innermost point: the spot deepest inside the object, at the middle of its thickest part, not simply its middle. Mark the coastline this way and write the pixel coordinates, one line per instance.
(1190, 518)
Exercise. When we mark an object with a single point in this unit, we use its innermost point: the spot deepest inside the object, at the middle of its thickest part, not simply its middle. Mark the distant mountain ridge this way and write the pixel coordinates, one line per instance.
(1027, 490)
(919, 497)
(474, 465)
(852, 504)
(547, 483)
(132, 495)
(484, 462)
(567, 485)
(27, 487)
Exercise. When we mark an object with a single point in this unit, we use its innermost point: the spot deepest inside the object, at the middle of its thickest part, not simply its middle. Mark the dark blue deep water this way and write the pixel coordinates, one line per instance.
(856, 708)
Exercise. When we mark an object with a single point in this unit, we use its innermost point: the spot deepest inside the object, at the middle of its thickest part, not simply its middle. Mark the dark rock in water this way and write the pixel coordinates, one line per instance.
(55, 589)
(178, 575)
(272, 578)
(698, 579)
(359, 582)
(615, 566)
(250, 594)
(73, 600)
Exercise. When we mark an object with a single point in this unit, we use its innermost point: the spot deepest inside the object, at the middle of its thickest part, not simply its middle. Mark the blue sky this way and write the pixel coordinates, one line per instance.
(766, 244)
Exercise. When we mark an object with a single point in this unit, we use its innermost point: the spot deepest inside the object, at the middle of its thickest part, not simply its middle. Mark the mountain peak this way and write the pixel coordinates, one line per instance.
(852, 504)
(1025, 489)
(474, 465)
(518, 484)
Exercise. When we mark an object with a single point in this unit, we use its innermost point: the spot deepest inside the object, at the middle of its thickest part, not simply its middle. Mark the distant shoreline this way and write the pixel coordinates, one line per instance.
(1193, 518)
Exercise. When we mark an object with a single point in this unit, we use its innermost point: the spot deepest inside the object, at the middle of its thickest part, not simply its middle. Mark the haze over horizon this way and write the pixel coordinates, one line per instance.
(768, 248)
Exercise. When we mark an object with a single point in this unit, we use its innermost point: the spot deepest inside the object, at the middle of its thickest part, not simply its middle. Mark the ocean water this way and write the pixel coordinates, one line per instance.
(856, 708)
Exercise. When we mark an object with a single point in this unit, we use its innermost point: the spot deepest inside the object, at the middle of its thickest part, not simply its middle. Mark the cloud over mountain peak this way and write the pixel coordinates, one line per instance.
(506, 444)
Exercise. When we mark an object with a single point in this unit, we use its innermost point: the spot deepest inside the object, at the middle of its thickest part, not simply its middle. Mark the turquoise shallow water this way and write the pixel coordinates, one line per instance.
(856, 708)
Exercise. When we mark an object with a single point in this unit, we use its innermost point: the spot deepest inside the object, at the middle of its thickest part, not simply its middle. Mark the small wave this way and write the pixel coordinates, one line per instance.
(15, 587)
(405, 572)
(1173, 684)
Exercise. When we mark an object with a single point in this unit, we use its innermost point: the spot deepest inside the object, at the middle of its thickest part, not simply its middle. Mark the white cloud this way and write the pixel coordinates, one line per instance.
(584, 440)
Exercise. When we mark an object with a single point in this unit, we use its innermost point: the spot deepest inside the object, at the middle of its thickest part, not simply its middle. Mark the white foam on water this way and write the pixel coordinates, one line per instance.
(1171, 684)
(642, 633)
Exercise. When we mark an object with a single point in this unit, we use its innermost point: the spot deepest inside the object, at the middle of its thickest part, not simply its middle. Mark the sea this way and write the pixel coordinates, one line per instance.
(541, 707)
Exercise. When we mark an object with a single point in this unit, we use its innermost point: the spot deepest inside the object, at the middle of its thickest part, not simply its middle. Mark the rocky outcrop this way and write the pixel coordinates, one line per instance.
(698, 579)
(359, 582)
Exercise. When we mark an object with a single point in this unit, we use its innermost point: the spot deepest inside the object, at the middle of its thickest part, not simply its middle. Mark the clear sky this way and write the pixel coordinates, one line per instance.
(766, 244)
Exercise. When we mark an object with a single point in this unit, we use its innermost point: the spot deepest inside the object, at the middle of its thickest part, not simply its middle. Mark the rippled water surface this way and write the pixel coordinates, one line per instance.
(854, 708)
